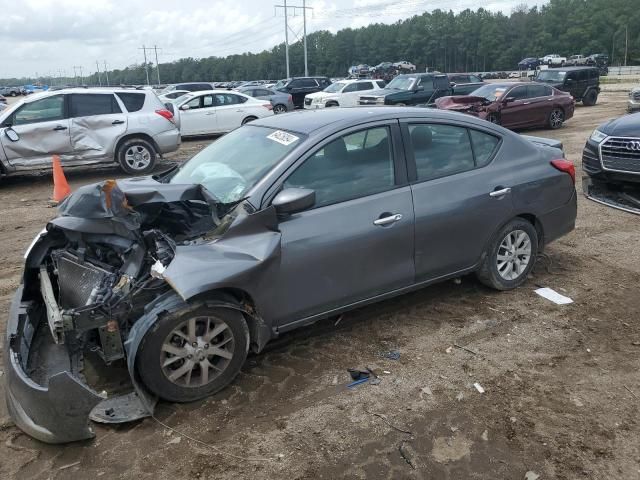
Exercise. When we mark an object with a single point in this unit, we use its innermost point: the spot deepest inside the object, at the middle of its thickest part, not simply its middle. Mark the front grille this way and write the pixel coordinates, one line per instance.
(307, 101)
(77, 280)
(368, 100)
(590, 161)
(621, 154)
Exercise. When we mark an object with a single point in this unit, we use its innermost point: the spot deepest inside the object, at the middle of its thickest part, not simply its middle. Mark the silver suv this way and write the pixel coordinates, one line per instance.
(86, 127)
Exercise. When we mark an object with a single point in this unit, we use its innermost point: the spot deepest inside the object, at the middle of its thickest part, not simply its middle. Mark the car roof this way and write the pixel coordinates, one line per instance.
(308, 121)
(571, 69)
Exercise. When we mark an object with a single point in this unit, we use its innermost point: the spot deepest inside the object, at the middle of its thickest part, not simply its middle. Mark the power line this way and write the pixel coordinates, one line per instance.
(146, 67)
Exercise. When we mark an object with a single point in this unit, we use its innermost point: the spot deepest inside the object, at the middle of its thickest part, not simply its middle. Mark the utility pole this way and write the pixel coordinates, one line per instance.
(155, 49)
(626, 43)
(75, 73)
(294, 8)
(106, 72)
(98, 72)
(146, 69)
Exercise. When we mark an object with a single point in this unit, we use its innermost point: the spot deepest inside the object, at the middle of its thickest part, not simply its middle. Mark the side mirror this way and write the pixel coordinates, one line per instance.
(509, 99)
(185, 107)
(419, 88)
(570, 81)
(293, 200)
(452, 84)
(12, 135)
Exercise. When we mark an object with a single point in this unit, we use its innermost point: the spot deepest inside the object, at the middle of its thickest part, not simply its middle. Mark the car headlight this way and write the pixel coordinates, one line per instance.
(33, 242)
(380, 100)
(597, 136)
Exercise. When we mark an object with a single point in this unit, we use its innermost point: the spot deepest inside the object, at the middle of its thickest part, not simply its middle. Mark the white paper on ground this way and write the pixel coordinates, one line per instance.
(554, 296)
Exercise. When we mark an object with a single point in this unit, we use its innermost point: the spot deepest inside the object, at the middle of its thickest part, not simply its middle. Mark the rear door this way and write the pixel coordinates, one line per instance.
(540, 103)
(516, 110)
(230, 110)
(357, 241)
(97, 122)
(459, 197)
(43, 130)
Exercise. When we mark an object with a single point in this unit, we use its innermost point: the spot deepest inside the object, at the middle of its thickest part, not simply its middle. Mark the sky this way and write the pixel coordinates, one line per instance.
(51, 37)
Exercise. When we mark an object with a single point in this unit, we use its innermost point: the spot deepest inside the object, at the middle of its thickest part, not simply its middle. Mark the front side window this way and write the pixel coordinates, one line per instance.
(88, 105)
(352, 87)
(440, 150)
(381, 83)
(364, 86)
(47, 109)
(518, 93)
(194, 103)
(402, 82)
(307, 83)
(352, 166)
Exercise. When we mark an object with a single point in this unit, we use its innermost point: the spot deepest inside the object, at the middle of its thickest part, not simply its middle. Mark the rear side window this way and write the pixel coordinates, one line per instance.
(381, 83)
(89, 105)
(365, 86)
(133, 102)
(539, 91)
(307, 82)
(440, 150)
(484, 145)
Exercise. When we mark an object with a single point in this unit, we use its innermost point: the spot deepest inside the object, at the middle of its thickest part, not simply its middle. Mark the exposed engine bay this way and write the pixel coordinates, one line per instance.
(477, 106)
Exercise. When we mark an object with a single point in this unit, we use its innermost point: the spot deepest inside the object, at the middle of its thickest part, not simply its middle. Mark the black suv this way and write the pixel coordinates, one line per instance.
(411, 89)
(300, 86)
(583, 83)
(464, 83)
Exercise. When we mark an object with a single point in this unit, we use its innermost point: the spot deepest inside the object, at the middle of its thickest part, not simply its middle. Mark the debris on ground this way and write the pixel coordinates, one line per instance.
(460, 396)
(465, 348)
(425, 391)
(485, 435)
(408, 453)
(531, 475)
(391, 355)
(449, 350)
(478, 387)
(174, 441)
(554, 296)
(384, 418)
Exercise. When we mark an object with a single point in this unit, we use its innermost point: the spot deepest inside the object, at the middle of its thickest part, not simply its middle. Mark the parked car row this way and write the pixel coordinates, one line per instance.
(600, 60)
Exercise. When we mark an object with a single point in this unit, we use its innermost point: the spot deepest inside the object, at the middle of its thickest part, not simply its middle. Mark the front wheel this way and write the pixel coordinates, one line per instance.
(137, 156)
(510, 257)
(193, 352)
(556, 118)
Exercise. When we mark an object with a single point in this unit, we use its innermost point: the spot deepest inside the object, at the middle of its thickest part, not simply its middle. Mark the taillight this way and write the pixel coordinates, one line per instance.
(290, 98)
(163, 112)
(268, 106)
(565, 166)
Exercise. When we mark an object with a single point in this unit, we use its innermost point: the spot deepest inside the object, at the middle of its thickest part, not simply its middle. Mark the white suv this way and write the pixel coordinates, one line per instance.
(87, 126)
(344, 93)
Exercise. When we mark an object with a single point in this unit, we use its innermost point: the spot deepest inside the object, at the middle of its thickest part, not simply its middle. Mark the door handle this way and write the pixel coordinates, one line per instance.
(117, 122)
(500, 193)
(381, 222)
(526, 103)
(59, 128)
(210, 113)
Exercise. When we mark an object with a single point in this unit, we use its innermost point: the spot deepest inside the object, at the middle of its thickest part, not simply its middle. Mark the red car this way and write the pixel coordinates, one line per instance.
(514, 104)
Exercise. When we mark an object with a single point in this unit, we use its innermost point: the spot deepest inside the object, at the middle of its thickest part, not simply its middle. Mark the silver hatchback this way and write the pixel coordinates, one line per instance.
(86, 127)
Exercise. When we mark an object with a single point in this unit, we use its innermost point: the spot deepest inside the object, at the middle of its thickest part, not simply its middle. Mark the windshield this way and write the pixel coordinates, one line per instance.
(167, 89)
(232, 165)
(551, 76)
(335, 87)
(280, 84)
(401, 83)
(490, 92)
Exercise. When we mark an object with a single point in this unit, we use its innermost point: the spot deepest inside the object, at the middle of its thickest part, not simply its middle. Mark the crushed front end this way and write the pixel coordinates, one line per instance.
(87, 279)
(477, 106)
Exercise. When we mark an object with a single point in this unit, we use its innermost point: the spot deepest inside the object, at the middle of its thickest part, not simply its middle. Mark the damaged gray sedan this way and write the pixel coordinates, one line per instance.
(281, 223)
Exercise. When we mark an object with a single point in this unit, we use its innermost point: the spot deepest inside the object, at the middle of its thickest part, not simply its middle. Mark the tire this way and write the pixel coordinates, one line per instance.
(248, 119)
(556, 118)
(493, 118)
(590, 98)
(331, 104)
(13, 94)
(279, 108)
(137, 156)
(503, 277)
(164, 353)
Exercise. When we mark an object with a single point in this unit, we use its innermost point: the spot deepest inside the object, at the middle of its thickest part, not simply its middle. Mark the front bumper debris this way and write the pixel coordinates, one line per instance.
(620, 198)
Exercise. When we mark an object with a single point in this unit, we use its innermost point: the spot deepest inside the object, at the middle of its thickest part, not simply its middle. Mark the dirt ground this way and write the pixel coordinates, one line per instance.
(562, 383)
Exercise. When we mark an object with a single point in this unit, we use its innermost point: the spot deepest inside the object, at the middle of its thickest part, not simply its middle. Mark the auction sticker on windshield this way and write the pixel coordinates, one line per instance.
(285, 138)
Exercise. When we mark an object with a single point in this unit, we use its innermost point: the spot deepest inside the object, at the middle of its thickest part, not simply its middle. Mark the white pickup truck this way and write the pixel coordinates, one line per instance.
(554, 60)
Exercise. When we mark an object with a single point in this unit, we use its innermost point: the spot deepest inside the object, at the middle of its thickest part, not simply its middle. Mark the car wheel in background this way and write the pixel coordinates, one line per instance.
(493, 118)
(13, 94)
(192, 352)
(332, 104)
(137, 156)
(556, 118)
(279, 108)
(248, 119)
(510, 256)
(590, 98)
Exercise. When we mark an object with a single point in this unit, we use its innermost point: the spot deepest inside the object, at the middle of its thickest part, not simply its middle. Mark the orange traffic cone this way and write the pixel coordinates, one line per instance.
(61, 188)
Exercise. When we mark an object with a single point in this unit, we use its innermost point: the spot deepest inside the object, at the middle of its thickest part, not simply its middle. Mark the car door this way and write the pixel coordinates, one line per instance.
(459, 198)
(97, 123)
(42, 129)
(423, 90)
(540, 98)
(515, 109)
(572, 84)
(262, 93)
(197, 119)
(357, 241)
(229, 111)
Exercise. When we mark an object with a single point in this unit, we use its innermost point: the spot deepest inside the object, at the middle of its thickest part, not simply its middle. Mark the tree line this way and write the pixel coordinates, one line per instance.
(468, 41)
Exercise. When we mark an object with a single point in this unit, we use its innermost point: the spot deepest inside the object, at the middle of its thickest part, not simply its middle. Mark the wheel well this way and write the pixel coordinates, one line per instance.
(248, 117)
(331, 103)
(533, 220)
(144, 136)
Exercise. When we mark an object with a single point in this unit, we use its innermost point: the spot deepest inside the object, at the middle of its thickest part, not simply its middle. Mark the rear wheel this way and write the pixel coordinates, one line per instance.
(137, 156)
(510, 257)
(590, 98)
(556, 118)
(278, 109)
(248, 119)
(193, 352)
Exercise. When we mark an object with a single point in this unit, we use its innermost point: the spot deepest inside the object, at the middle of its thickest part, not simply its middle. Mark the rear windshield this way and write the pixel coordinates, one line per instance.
(133, 102)
(551, 76)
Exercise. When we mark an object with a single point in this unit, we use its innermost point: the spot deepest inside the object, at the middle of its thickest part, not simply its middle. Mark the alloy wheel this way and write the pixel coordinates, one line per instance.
(137, 157)
(278, 109)
(197, 351)
(514, 254)
(556, 119)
